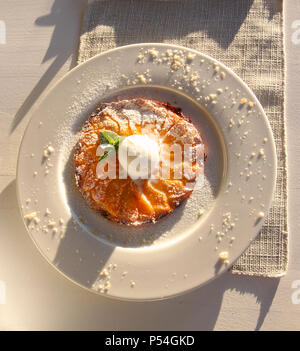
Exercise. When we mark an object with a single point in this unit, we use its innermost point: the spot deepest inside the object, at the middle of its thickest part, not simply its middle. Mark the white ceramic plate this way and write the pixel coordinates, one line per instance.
(180, 251)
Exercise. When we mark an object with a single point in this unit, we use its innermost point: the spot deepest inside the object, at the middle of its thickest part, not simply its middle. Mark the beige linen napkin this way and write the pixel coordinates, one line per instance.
(247, 36)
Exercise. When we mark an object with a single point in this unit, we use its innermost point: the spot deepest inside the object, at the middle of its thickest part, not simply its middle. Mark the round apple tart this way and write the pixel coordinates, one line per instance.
(136, 160)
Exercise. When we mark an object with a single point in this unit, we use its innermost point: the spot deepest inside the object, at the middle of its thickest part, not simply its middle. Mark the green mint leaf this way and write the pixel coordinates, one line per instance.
(108, 137)
(108, 149)
(103, 156)
(106, 154)
(120, 139)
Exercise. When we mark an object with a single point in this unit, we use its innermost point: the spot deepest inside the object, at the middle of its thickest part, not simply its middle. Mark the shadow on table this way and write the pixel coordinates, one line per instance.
(273, 6)
(198, 310)
(137, 21)
(61, 47)
(166, 20)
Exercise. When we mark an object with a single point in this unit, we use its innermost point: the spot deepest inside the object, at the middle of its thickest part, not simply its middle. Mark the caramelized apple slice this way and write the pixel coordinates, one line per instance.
(113, 195)
(175, 190)
(157, 198)
(134, 205)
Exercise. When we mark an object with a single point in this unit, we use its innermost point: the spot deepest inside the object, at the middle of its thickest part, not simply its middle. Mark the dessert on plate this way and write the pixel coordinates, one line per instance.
(136, 160)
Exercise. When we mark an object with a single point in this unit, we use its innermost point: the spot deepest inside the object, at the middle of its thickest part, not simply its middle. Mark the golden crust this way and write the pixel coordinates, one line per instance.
(123, 200)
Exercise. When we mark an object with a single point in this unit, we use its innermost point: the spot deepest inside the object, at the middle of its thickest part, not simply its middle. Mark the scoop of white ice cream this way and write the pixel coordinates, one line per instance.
(139, 156)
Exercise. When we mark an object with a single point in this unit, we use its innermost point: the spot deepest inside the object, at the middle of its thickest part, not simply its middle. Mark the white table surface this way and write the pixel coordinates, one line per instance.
(41, 41)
